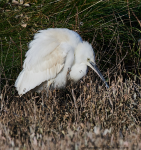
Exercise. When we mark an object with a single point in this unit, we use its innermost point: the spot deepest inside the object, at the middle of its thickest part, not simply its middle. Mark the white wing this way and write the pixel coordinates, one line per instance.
(44, 60)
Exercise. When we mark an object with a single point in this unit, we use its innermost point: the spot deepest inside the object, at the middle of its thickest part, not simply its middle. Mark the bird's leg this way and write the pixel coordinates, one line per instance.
(68, 73)
(49, 85)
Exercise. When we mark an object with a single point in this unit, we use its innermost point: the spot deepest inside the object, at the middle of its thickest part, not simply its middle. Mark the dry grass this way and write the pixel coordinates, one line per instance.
(82, 116)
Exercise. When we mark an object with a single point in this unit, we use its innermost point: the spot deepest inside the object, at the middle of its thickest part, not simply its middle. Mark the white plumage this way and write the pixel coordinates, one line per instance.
(51, 54)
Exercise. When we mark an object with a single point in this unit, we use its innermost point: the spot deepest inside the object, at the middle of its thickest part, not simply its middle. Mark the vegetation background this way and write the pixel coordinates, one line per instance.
(85, 115)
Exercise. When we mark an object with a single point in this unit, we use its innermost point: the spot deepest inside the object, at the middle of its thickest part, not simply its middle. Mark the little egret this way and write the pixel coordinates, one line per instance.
(55, 56)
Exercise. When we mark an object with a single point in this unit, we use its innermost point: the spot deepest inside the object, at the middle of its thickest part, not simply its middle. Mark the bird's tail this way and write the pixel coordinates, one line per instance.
(29, 79)
(18, 82)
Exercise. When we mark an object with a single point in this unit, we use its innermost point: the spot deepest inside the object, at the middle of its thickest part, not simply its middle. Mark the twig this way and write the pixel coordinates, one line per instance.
(74, 98)
(21, 53)
(119, 63)
(136, 18)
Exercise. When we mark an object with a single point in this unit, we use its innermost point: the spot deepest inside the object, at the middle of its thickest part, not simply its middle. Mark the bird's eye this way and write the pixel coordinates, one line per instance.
(88, 59)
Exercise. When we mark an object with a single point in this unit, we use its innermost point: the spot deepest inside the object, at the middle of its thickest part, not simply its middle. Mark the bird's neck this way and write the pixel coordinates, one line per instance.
(77, 55)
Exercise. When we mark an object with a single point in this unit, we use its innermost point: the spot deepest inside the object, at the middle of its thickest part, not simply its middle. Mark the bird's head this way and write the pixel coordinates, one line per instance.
(85, 54)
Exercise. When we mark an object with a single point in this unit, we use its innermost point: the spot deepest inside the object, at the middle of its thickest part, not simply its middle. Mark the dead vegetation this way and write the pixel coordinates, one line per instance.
(82, 116)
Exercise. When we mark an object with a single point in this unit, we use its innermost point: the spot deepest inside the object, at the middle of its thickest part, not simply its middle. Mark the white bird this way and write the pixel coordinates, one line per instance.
(55, 56)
